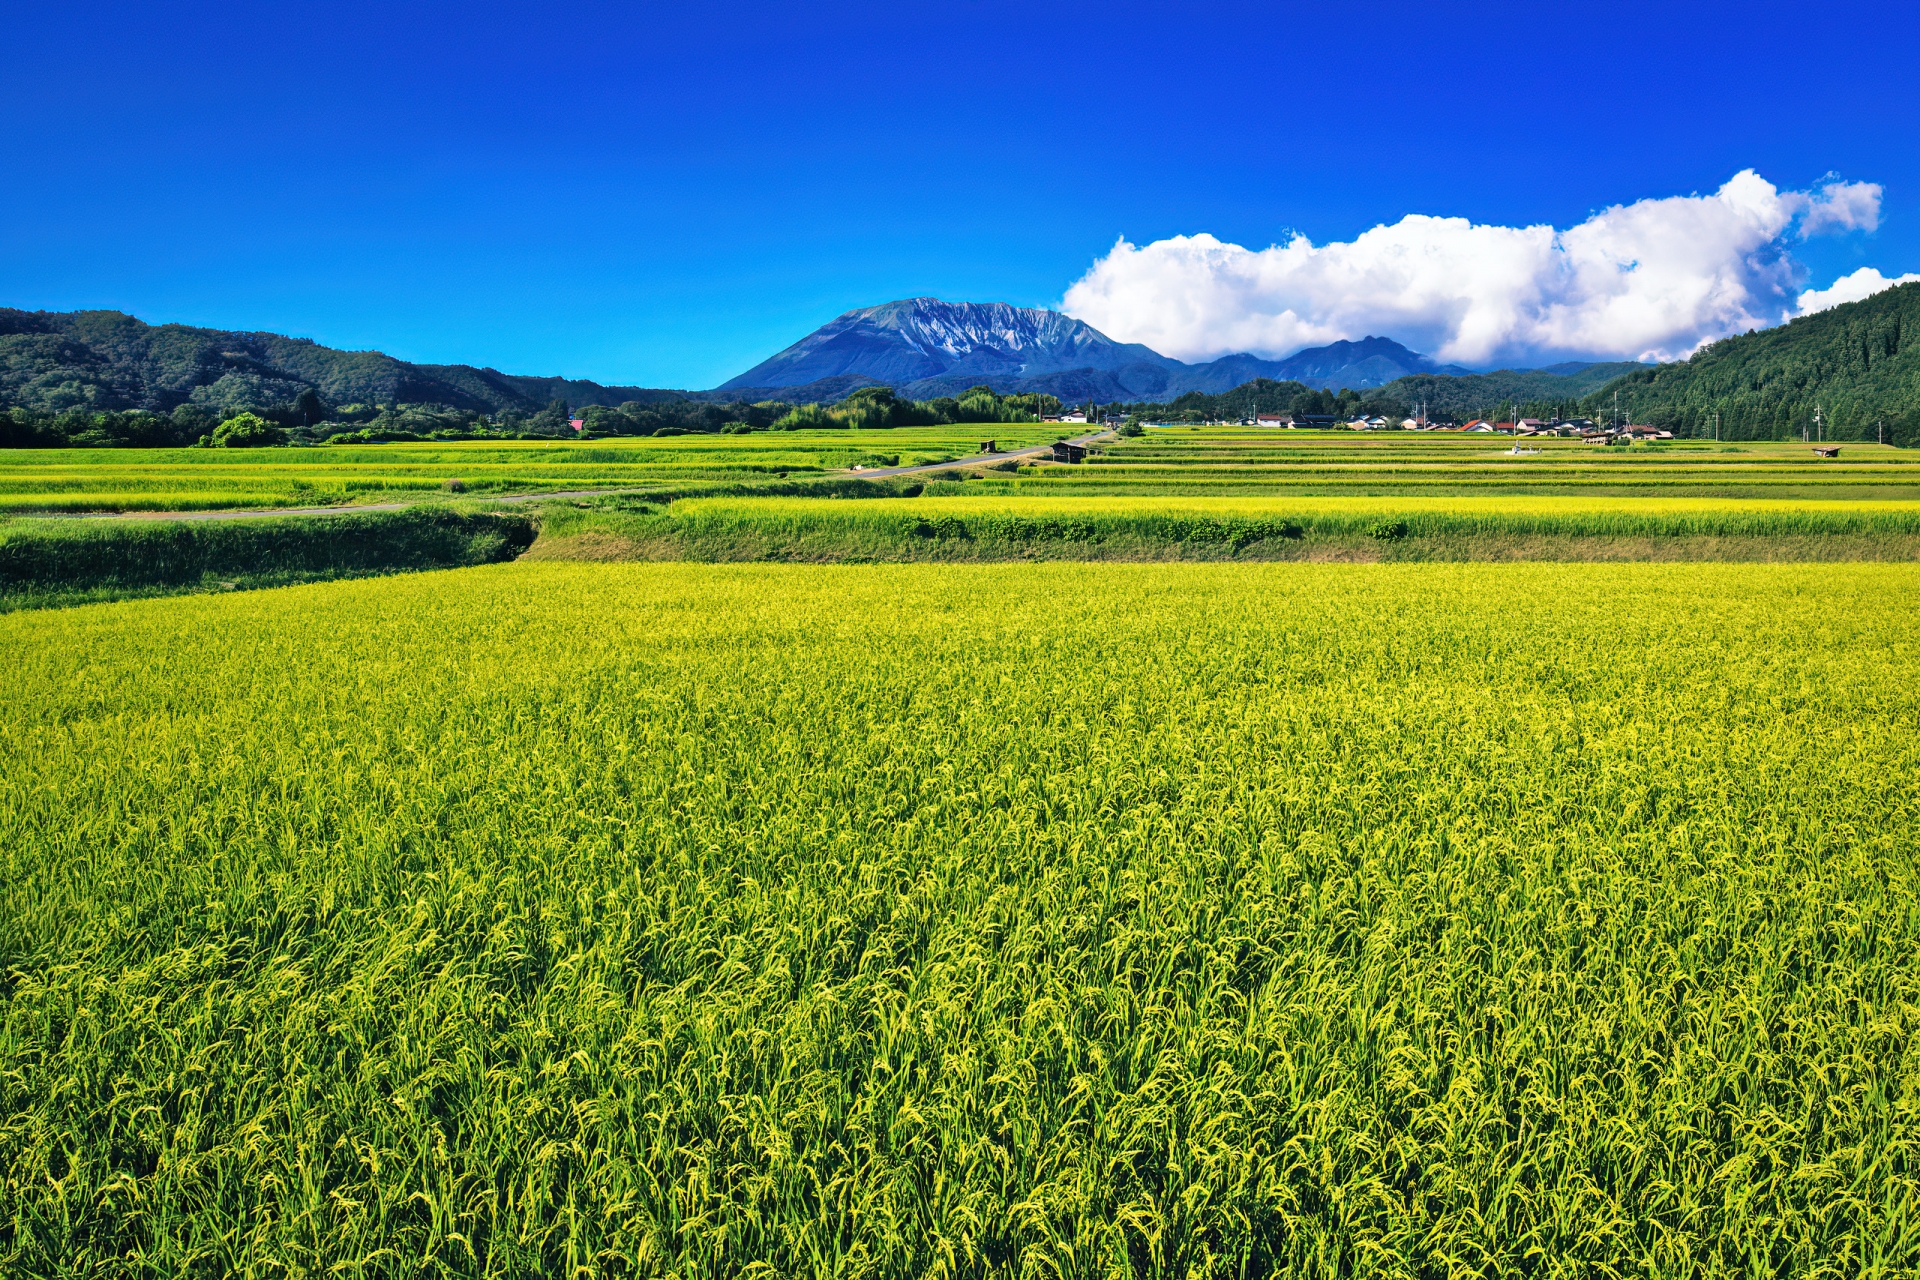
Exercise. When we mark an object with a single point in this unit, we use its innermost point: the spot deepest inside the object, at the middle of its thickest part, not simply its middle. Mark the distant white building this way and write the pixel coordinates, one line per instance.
(1076, 415)
(1272, 419)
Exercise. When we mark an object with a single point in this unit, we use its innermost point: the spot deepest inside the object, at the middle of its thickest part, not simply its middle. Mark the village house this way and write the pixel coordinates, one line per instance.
(1272, 419)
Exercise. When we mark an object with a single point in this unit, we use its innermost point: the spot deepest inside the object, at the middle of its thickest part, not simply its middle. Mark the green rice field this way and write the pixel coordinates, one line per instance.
(1228, 460)
(1182, 462)
(1051, 920)
(110, 480)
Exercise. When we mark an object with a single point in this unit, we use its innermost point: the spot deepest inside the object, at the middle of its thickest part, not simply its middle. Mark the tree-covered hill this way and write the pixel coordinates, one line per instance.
(92, 360)
(1859, 362)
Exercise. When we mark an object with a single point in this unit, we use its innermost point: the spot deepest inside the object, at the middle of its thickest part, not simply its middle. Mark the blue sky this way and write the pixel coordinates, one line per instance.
(665, 195)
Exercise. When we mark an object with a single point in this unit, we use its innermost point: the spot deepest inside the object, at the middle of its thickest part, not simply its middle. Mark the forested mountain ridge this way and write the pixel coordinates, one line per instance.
(52, 360)
(1370, 362)
(1858, 362)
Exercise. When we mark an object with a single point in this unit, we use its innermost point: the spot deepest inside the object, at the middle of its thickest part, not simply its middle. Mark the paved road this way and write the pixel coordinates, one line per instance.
(882, 473)
(974, 460)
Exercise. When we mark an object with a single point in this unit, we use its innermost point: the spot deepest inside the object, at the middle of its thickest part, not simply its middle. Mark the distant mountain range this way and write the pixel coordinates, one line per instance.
(1857, 362)
(923, 347)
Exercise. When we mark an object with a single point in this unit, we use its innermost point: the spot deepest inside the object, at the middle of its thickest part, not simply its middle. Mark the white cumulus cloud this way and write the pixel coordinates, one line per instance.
(1842, 206)
(1651, 280)
(1863, 283)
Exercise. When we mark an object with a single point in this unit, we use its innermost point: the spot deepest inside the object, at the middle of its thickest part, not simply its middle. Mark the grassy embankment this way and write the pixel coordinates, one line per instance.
(930, 920)
(46, 563)
(994, 527)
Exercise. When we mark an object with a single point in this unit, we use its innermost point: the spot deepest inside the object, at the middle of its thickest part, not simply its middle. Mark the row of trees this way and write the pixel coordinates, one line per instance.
(107, 429)
(313, 423)
(1263, 395)
(1390, 402)
(873, 408)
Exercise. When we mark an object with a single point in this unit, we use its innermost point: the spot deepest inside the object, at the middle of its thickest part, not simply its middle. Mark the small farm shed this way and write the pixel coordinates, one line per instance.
(1067, 451)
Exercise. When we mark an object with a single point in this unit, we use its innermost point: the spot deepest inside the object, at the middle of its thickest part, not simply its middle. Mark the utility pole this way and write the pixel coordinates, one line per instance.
(1716, 426)
(1819, 431)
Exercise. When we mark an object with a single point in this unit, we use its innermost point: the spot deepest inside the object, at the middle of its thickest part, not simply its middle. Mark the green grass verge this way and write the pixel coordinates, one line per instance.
(990, 528)
(45, 562)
